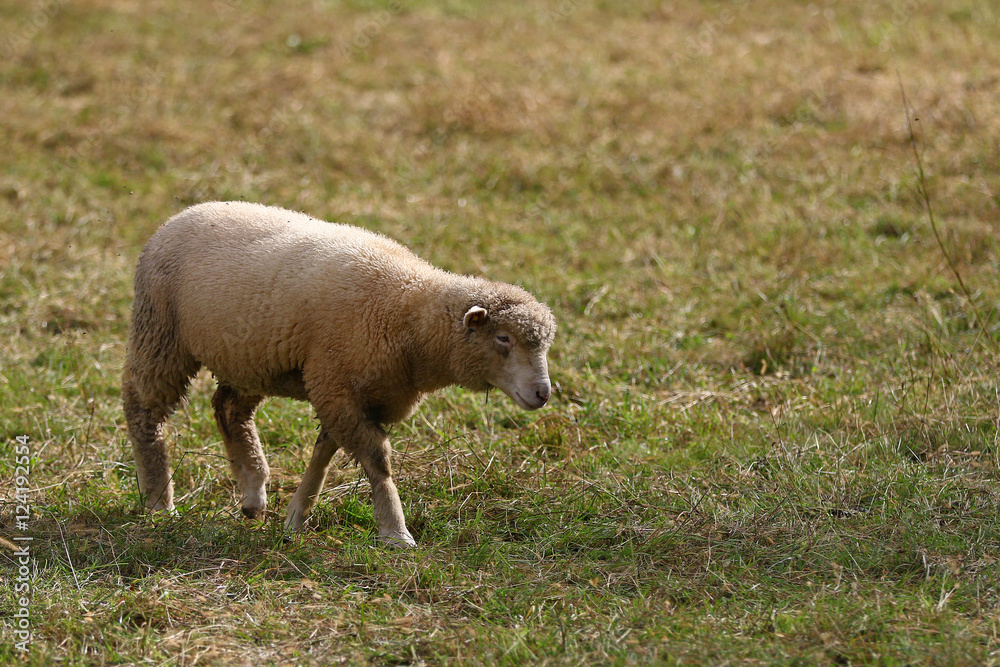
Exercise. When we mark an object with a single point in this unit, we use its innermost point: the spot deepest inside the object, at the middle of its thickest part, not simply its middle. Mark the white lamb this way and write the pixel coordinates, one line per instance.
(274, 302)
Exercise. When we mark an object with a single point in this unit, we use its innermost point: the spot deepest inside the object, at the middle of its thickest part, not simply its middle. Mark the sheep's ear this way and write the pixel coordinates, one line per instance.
(475, 317)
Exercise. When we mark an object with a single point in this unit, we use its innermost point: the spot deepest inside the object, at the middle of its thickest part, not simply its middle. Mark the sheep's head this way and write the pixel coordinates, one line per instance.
(510, 342)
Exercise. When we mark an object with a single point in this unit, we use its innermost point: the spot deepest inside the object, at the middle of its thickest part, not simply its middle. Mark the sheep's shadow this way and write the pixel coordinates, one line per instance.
(129, 545)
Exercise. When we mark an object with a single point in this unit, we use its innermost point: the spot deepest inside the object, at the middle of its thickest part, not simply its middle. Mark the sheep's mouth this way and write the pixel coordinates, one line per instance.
(527, 405)
(516, 396)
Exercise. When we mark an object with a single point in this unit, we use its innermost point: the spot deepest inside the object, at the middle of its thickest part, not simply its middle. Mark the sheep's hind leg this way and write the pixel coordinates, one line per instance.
(145, 418)
(234, 415)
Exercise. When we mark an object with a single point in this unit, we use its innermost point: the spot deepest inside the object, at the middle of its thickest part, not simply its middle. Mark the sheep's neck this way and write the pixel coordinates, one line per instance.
(430, 359)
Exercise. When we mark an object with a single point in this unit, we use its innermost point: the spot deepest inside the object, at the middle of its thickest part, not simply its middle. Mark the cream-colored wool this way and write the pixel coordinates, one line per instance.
(274, 302)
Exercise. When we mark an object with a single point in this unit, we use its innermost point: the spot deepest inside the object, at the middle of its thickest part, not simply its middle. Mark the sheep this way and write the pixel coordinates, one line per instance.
(276, 303)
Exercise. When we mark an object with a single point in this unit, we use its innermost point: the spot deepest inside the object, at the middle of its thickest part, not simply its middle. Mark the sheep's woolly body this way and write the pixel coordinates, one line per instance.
(277, 303)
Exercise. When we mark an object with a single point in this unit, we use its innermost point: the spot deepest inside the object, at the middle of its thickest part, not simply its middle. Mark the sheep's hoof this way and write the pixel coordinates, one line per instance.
(401, 540)
(288, 533)
(163, 514)
(252, 512)
(161, 507)
(294, 523)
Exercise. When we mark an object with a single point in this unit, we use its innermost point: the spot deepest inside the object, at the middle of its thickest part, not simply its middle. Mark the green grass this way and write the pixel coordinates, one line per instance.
(773, 435)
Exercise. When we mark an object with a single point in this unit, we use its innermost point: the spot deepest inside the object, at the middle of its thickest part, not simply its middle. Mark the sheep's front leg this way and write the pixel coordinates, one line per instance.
(312, 482)
(368, 444)
(374, 458)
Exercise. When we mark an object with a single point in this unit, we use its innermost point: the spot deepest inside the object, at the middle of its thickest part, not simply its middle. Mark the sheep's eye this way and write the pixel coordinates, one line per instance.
(503, 338)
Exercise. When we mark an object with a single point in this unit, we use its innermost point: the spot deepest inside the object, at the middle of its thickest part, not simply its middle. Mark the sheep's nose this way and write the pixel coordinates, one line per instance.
(543, 393)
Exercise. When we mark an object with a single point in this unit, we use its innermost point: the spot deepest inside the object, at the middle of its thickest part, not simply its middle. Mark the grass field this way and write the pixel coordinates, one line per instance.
(773, 435)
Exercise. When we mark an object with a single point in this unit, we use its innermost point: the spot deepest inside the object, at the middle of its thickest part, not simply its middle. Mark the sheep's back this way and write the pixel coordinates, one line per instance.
(254, 288)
